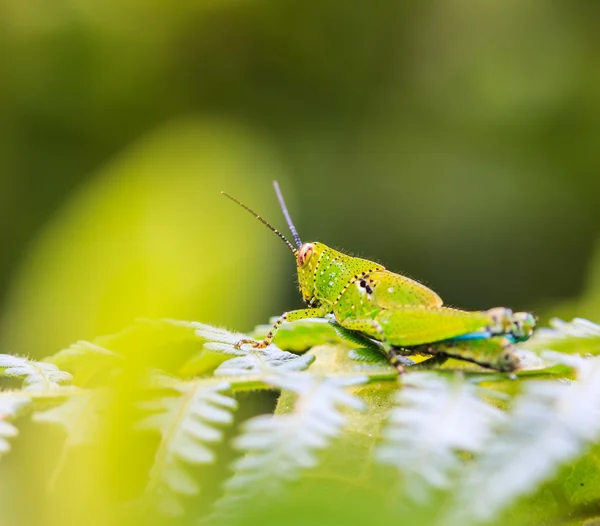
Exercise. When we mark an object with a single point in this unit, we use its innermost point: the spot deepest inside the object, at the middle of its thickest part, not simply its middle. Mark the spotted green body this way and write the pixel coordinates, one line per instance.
(403, 315)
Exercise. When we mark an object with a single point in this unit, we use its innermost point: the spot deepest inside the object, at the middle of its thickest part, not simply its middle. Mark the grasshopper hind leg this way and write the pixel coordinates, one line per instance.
(498, 353)
(396, 355)
(354, 330)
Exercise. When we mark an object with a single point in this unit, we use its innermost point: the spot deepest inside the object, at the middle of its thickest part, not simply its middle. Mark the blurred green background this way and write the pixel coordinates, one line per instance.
(455, 141)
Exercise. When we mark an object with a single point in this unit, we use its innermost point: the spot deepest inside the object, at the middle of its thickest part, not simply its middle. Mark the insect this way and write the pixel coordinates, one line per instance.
(402, 315)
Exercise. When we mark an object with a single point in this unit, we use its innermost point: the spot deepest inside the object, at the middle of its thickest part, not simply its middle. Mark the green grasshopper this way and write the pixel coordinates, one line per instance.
(402, 315)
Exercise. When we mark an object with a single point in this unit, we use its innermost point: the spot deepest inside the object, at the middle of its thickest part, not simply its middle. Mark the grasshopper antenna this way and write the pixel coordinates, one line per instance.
(287, 214)
(263, 221)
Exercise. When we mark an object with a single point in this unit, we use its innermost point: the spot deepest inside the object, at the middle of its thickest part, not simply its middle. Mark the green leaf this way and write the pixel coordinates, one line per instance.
(339, 361)
(159, 343)
(164, 343)
(298, 336)
(349, 463)
(277, 449)
(581, 481)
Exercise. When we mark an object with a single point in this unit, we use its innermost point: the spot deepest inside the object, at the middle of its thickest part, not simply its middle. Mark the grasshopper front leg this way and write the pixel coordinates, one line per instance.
(293, 315)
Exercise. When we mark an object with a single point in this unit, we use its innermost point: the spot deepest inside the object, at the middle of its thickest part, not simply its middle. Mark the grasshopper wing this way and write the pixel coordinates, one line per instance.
(391, 291)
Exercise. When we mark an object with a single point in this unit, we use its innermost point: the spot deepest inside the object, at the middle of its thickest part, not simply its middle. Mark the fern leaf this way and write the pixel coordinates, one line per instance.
(257, 360)
(220, 340)
(578, 328)
(80, 416)
(85, 360)
(278, 448)
(158, 343)
(367, 355)
(249, 361)
(577, 336)
(37, 376)
(11, 406)
(551, 422)
(187, 423)
(434, 419)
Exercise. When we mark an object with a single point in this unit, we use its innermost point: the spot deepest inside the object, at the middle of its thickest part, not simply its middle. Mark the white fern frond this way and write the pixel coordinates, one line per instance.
(278, 448)
(37, 376)
(578, 336)
(82, 350)
(85, 359)
(220, 340)
(11, 406)
(551, 423)
(257, 360)
(249, 360)
(434, 419)
(81, 416)
(577, 328)
(188, 424)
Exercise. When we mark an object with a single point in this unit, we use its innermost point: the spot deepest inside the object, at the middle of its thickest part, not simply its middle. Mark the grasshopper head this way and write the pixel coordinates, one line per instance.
(307, 257)
(523, 325)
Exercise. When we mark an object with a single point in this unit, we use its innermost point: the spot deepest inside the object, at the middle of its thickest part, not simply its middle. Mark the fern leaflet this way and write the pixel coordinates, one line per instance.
(83, 419)
(577, 336)
(11, 406)
(249, 361)
(551, 423)
(434, 419)
(278, 448)
(86, 360)
(186, 423)
(37, 376)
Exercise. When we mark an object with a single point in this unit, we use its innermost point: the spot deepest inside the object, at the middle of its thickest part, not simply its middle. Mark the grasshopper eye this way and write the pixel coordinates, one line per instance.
(304, 254)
